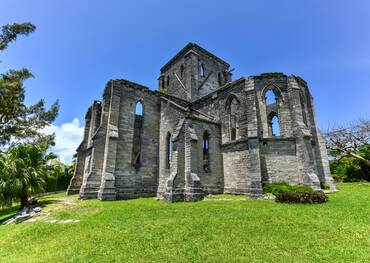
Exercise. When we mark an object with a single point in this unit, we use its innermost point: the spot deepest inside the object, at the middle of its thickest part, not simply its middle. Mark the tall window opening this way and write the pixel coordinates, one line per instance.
(270, 97)
(219, 78)
(138, 130)
(206, 151)
(182, 69)
(168, 150)
(274, 125)
(168, 80)
(303, 108)
(202, 72)
(233, 118)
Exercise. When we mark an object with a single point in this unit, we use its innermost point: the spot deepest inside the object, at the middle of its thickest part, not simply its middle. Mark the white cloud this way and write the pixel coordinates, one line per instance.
(67, 138)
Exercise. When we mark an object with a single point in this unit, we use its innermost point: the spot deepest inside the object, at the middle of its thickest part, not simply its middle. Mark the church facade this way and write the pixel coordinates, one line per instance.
(200, 133)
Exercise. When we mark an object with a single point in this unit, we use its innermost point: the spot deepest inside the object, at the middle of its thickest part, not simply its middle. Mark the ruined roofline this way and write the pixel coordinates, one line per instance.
(269, 75)
(189, 47)
(300, 80)
(183, 103)
(129, 84)
(222, 88)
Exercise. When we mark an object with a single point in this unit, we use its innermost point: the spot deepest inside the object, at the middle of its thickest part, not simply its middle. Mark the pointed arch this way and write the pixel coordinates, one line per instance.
(232, 107)
(182, 69)
(303, 102)
(168, 150)
(202, 70)
(168, 80)
(206, 151)
(219, 78)
(139, 108)
(274, 124)
(270, 97)
(276, 92)
(137, 137)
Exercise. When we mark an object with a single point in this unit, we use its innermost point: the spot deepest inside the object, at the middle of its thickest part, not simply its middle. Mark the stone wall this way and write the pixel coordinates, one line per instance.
(133, 180)
(124, 155)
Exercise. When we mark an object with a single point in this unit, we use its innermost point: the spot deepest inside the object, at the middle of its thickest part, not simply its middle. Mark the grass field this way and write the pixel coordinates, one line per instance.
(225, 229)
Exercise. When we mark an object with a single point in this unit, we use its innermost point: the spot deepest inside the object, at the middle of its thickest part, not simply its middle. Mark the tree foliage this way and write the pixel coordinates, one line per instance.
(10, 33)
(17, 120)
(349, 169)
(350, 148)
(23, 171)
(350, 141)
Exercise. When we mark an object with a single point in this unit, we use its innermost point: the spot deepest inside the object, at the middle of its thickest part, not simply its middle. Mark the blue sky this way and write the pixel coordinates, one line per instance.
(80, 45)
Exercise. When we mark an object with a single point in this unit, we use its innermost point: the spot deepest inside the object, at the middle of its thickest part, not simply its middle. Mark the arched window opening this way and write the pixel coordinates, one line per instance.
(168, 150)
(168, 80)
(182, 69)
(303, 108)
(206, 151)
(219, 78)
(138, 129)
(202, 72)
(139, 109)
(274, 124)
(270, 97)
(233, 118)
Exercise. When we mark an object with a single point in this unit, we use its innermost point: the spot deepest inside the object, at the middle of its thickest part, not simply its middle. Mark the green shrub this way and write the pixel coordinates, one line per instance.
(284, 187)
(162, 90)
(324, 186)
(302, 198)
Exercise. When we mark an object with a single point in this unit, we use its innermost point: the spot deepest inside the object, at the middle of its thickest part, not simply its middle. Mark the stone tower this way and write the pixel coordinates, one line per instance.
(200, 133)
(193, 73)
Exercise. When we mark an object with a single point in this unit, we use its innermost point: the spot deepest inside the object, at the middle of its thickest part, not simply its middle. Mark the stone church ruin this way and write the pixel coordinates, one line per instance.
(200, 133)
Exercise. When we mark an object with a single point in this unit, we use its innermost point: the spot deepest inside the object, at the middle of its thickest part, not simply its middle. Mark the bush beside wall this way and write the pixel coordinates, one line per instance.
(302, 198)
(284, 187)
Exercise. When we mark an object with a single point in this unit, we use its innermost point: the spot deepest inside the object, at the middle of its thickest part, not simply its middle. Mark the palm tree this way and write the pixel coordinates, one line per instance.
(23, 170)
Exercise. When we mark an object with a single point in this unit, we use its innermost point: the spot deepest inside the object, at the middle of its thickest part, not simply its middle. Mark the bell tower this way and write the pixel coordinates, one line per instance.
(193, 73)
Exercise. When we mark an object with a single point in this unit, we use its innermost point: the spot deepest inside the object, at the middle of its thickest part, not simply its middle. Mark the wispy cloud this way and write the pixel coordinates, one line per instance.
(67, 138)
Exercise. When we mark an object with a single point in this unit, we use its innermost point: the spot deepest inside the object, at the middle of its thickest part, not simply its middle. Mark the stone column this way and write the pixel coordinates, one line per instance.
(176, 183)
(193, 189)
(254, 173)
(107, 189)
(304, 151)
(77, 179)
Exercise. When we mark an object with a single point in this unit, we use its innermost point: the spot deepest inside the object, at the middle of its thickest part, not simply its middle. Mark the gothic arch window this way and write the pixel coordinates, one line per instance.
(274, 124)
(206, 151)
(168, 150)
(168, 80)
(138, 130)
(162, 82)
(303, 108)
(219, 78)
(270, 97)
(233, 109)
(202, 71)
(182, 69)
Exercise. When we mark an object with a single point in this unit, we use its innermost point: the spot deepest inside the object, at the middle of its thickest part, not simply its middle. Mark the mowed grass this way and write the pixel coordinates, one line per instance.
(146, 230)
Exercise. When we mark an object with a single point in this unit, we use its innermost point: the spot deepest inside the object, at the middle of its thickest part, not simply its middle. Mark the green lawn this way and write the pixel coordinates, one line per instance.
(235, 230)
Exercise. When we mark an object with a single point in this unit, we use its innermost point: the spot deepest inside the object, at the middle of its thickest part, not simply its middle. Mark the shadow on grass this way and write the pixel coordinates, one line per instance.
(8, 212)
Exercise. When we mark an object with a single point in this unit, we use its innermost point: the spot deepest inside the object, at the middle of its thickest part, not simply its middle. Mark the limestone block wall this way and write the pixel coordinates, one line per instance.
(211, 179)
(278, 160)
(171, 121)
(142, 180)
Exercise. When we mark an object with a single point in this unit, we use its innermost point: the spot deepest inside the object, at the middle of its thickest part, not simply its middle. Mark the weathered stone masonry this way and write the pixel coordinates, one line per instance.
(200, 133)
